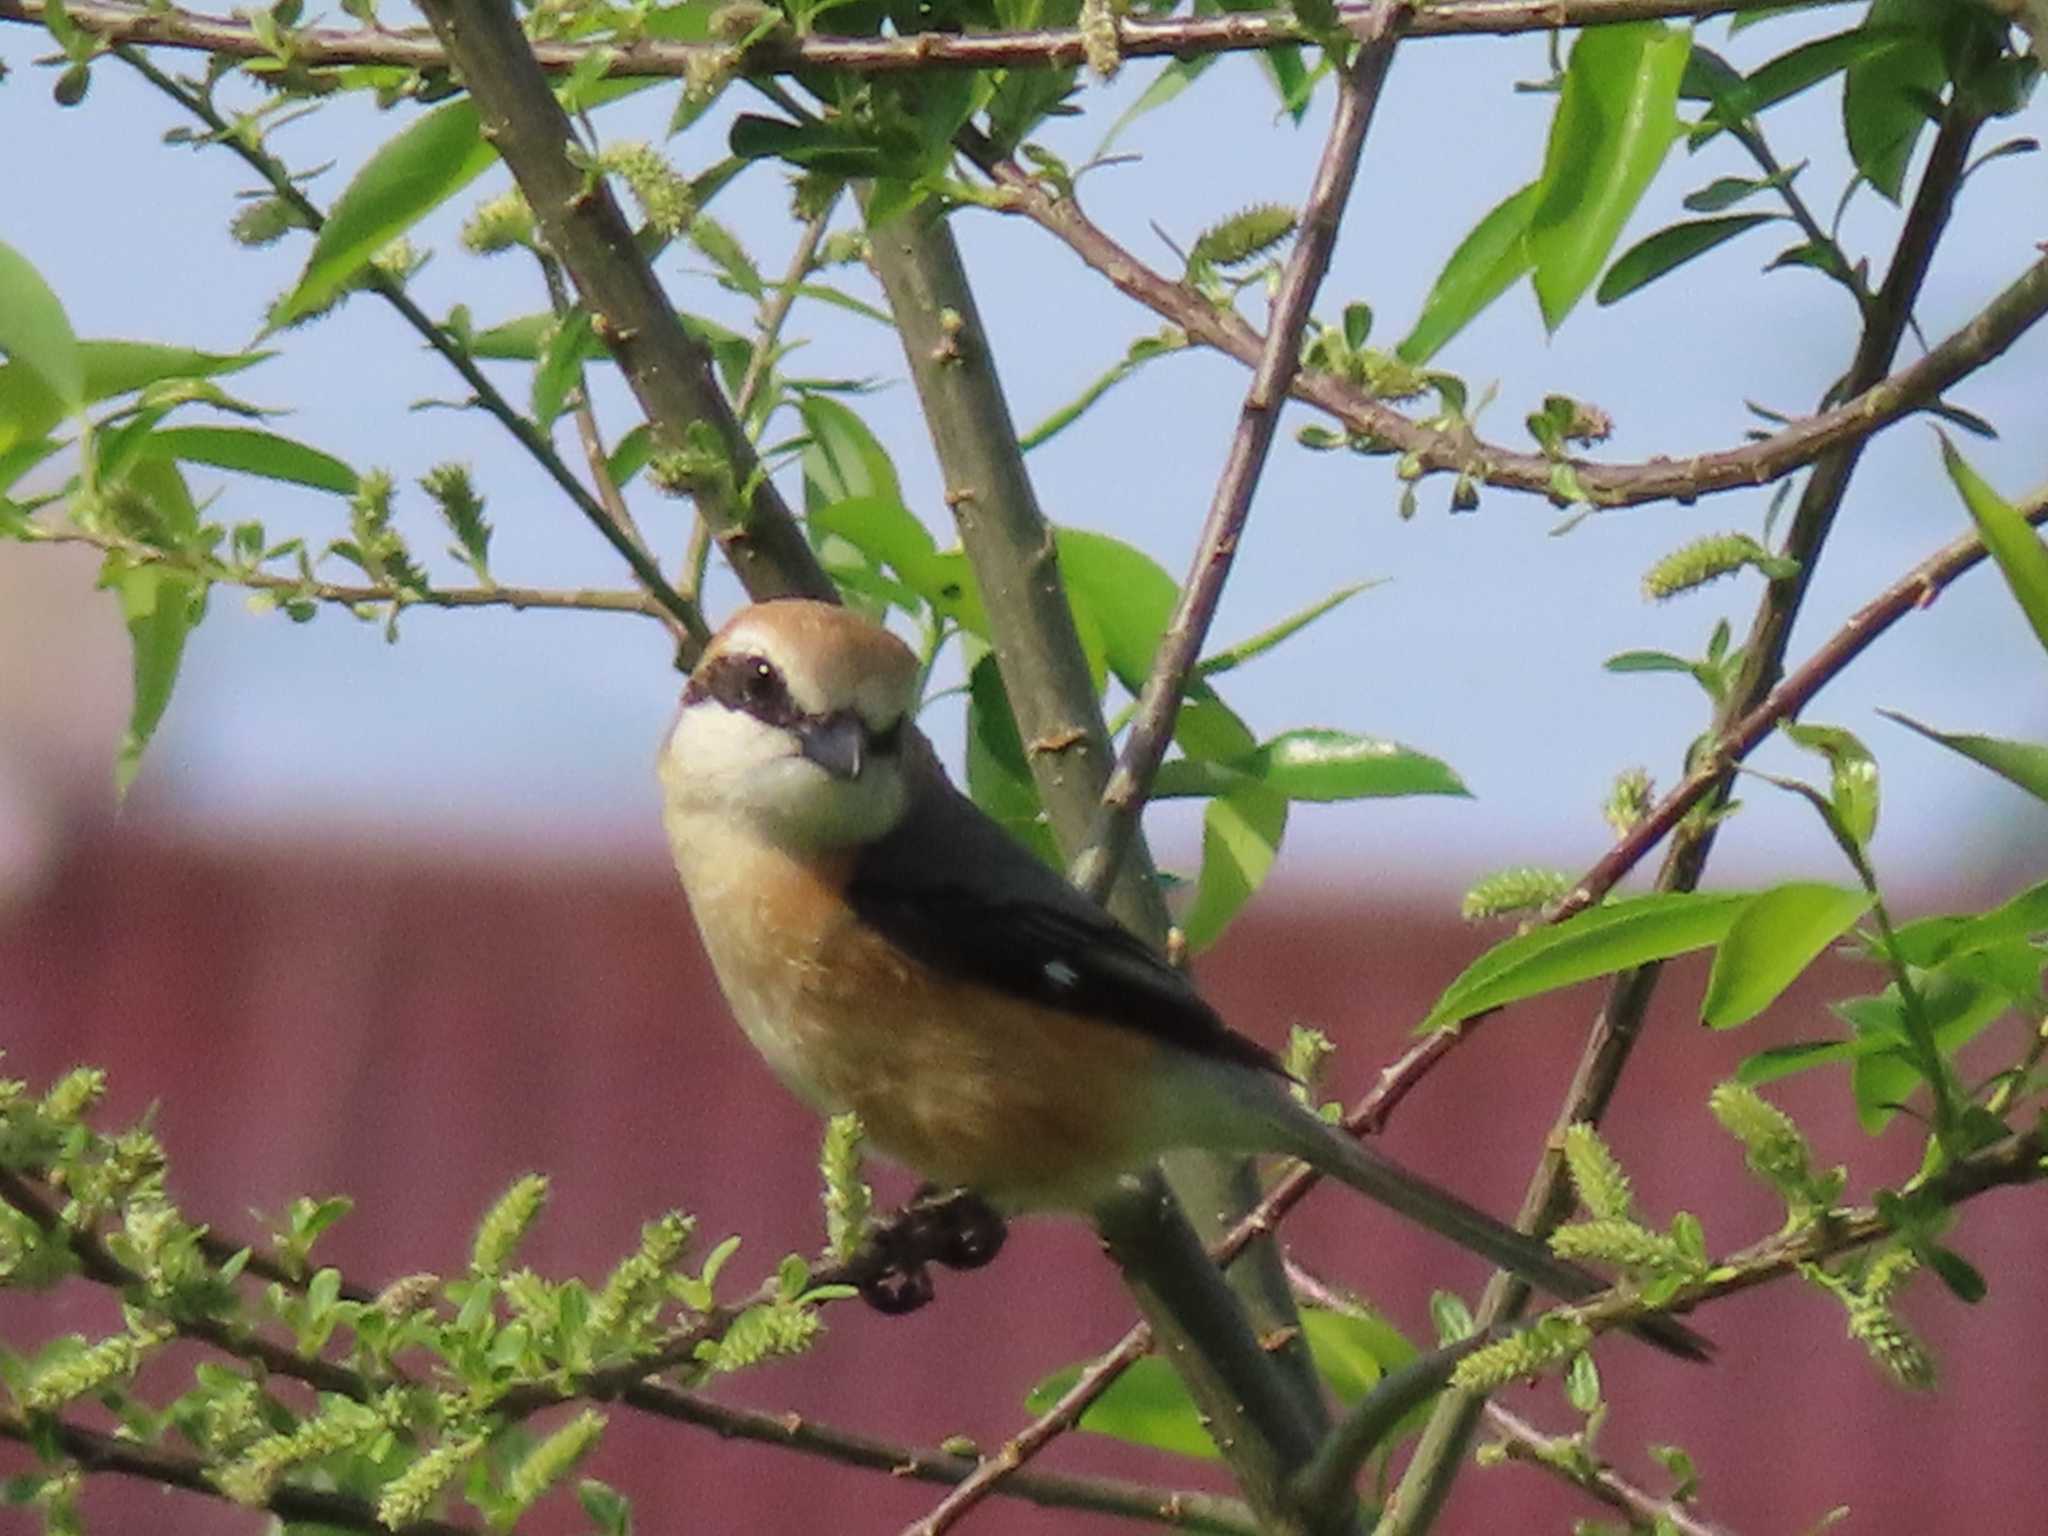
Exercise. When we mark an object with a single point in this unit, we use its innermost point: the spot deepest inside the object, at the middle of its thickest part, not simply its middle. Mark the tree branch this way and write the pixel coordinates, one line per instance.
(1113, 1496)
(1877, 402)
(97, 1452)
(670, 373)
(350, 595)
(1522, 1441)
(1123, 798)
(782, 54)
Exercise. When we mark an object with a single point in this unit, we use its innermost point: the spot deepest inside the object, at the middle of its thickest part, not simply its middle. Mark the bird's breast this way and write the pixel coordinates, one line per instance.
(964, 1084)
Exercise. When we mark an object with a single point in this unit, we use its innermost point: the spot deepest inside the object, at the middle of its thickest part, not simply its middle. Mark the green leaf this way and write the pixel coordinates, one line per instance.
(1241, 834)
(2022, 557)
(843, 459)
(1336, 765)
(561, 367)
(1598, 942)
(1884, 100)
(254, 452)
(1670, 248)
(1146, 1405)
(1176, 77)
(1648, 661)
(1615, 122)
(1121, 597)
(1772, 941)
(1790, 73)
(160, 607)
(35, 332)
(1883, 1075)
(121, 367)
(1482, 268)
(1230, 657)
(1354, 1351)
(1141, 352)
(1854, 791)
(1932, 940)
(2023, 762)
(998, 777)
(403, 182)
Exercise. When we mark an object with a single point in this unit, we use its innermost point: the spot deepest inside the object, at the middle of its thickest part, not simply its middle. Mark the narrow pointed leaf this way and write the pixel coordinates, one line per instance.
(1671, 248)
(1772, 941)
(1337, 765)
(35, 333)
(2022, 557)
(254, 452)
(1615, 121)
(2025, 763)
(1884, 98)
(1482, 268)
(1241, 834)
(1595, 943)
(403, 182)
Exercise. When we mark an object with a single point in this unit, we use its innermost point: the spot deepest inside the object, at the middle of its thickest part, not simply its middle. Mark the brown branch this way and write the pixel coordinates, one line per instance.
(96, 1452)
(1879, 401)
(347, 595)
(670, 373)
(1183, 37)
(1123, 798)
(1524, 1442)
(1134, 1501)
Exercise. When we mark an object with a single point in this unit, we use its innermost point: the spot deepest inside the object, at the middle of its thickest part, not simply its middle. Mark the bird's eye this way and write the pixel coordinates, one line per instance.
(760, 684)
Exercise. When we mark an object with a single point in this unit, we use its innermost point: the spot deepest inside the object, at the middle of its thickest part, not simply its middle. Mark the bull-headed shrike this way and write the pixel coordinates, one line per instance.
(892, 951)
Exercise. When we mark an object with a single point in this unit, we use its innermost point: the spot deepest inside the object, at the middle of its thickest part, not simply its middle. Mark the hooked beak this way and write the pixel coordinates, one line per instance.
(837, 743)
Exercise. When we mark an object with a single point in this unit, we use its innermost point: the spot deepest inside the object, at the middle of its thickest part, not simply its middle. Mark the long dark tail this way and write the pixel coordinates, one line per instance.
(1387, 1183)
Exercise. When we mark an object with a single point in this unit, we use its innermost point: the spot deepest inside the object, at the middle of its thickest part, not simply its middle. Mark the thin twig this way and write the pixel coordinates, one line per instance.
(1123, 798)
(681, 617)
(1115, 1496)
(1136, 37)
(1524, 1442)
(96, 1452)
(347, 595)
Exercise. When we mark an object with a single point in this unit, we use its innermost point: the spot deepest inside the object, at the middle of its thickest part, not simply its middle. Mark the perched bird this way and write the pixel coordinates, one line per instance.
(892, 951)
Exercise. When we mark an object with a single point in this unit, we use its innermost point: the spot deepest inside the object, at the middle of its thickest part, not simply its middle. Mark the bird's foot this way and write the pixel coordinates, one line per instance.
(954, 1227)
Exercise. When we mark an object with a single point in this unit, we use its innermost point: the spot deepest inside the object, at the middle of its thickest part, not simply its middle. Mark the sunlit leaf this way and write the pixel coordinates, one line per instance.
(1853, 791)
(1482, 268)
(1771, 943)
(844, 459)
(1615, 121)
(2025, 763)
(35, 333)
(2022, 557)
(1145, 1405)
(160, 607)
(255, 452)
(403, 182)
(1241, 834)
(1610, 938)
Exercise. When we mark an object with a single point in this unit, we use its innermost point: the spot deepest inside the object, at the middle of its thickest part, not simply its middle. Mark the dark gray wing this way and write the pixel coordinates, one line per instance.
(951, 888)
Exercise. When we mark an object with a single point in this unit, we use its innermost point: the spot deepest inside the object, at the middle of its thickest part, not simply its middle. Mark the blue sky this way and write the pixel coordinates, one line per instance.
(1483, 644)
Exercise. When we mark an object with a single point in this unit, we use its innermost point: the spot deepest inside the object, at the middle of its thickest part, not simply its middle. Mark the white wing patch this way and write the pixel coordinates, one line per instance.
(1061, 975)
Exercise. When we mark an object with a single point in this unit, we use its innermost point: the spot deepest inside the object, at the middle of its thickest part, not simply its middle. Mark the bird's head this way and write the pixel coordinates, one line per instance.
(794, 723)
